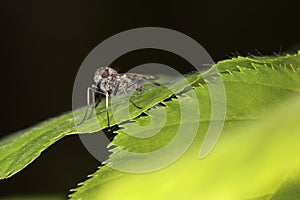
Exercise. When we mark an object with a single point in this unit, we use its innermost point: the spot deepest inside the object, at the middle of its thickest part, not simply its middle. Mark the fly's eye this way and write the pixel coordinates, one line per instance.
(104, 74)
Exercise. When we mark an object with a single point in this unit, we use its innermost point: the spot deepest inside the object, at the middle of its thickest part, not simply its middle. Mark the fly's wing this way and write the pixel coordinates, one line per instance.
(135, 76)
(142, 77)
(132, 82)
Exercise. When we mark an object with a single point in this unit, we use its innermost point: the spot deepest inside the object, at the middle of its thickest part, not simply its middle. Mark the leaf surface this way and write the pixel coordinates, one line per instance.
(246, 164)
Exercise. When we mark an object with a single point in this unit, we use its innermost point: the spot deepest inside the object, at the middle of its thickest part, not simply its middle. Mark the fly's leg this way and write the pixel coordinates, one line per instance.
(131, 100)
(92, 105)
(88, 104)
(98, 101)
(135, 104)
(106, 108)
(94, 88)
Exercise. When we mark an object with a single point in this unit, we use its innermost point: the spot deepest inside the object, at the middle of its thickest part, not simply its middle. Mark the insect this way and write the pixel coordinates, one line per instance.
(108, 82)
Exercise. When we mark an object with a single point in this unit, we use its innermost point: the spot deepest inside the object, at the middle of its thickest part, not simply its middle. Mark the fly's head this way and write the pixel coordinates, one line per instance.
(106, 80)
(104, 73)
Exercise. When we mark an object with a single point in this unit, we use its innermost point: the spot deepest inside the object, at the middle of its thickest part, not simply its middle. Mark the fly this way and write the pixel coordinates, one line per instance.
(108, 82)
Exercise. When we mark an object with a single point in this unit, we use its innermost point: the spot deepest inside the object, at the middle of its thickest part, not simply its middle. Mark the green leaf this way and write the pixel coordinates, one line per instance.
(252, 93)
(20, 149)
(251, 160)
(253, 86)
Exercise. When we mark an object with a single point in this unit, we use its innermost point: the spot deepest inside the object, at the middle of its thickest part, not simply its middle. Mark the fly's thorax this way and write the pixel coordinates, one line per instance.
(109, 84)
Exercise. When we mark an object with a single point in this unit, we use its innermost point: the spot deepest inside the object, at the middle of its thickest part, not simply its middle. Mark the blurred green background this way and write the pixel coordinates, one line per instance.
(44, 42)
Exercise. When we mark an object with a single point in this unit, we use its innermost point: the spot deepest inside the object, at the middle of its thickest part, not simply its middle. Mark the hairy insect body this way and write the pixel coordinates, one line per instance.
(109, 82)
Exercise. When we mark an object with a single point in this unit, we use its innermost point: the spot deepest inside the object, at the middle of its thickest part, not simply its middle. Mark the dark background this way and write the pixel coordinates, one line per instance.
(44, 42)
